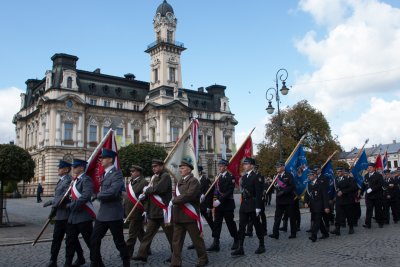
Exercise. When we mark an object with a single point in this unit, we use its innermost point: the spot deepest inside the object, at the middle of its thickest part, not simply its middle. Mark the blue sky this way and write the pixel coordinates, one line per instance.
(240, 44)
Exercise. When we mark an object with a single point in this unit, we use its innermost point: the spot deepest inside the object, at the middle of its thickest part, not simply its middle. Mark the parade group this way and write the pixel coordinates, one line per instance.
(177, 207)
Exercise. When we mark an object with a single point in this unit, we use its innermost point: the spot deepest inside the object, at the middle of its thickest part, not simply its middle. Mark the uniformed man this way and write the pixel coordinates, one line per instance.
(159, 193)
(372, 186)
(136, 225)
(82, 213)
(356, 207)
(251, 189)
(345, 187)
(186, 216)
(58, 209)
(317, 199)
(224, 205)
(111, 212)
(284, 186)
(325, 183)
(391, 193)
(205, 200)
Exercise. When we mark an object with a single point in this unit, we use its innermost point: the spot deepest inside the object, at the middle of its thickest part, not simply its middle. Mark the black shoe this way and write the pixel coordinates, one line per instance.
(309, 231)
(368, 226)
(283, 229)
(351, 231)
(52, 264)
(249, 234)
(235, 245)
(336, 231)
(380, 225)
(324, 236)
(260, 250)
(149, 252)
(214, 246)
(292, 236)
(238, 252)
(313, 238)
(190, 247)
(137, 258)
(274, 236)
(79, 261)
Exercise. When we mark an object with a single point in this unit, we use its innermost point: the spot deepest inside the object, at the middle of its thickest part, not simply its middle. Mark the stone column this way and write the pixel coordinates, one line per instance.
(58, 129)
(80, 130)
(168, 130)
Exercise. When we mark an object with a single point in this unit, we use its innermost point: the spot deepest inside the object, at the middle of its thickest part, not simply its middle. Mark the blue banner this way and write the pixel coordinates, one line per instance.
(328, 172)
(359, 168)
(298, 167)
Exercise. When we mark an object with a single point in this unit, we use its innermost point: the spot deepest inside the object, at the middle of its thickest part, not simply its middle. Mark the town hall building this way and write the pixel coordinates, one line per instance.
(66, 114)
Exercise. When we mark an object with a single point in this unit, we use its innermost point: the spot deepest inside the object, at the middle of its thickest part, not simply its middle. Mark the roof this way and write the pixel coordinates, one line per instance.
(164, 8)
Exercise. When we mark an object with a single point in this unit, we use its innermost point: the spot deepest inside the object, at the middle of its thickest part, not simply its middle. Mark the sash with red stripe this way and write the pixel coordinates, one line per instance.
(88, 206)
(157, 200)
(280, 182)
(132, 197)
(190, 211)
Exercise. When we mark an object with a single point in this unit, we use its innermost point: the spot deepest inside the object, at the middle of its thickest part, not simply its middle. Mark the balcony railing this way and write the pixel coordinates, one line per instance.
(165, 41)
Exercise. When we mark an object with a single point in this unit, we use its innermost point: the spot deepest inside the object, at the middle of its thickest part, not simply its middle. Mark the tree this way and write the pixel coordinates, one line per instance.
(15, 165)
(301, 119)
(140, 154)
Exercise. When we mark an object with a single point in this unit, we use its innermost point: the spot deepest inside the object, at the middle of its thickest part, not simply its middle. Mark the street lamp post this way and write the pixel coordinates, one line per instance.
(282, 75)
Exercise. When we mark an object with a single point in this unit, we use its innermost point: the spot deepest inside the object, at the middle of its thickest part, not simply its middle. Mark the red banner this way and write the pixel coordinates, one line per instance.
(245, 151)
(378, 162)
(94, 168)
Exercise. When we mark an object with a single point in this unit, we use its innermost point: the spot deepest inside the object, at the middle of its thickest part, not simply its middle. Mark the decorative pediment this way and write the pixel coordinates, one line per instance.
(93, 120)
(176, 122)
(136, 124)
(68, 117)
(107, 122)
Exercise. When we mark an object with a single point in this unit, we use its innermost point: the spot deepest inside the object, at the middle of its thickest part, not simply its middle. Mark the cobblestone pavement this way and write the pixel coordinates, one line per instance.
(374, 247)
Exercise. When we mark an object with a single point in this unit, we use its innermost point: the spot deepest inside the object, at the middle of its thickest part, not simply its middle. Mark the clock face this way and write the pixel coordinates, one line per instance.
(69, 103)
(170, 17)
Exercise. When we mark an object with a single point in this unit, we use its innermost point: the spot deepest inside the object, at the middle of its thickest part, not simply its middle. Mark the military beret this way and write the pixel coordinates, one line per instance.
(136, 167)
(187, 162)
(249, 161)
(223, 162)
(107, 153)
(280, 164)
(79, 162)
(64, 164)
(157, 162)
(200, 168)
(371, 164)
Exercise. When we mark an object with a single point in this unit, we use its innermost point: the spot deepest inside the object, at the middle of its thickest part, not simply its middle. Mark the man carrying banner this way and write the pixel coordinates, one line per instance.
(81, 211)
(159, 192)
(224, 205)
(316, 198)
(136, 225)
(285, 187)
(373, 182)
(205, 200)
(61, 215)
(345, 187)
(111, 212)
(186, 215)
(251, 188)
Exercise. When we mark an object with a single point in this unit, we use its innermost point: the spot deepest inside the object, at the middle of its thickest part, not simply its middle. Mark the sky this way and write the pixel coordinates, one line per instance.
(341, 55)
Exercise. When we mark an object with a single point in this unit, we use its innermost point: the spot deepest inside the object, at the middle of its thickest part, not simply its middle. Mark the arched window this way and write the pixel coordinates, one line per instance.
(224, 106)
(69, 82)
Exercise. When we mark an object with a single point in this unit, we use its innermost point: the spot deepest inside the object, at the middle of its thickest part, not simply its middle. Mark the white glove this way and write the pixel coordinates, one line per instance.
(142, 196)
(145, 188)
(369, 190)
(258, 212)
(202, 197)
(216, 203)
(170, 203)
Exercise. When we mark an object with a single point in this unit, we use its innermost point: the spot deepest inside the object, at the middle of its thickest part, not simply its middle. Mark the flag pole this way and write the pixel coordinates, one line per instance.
(329, 158)
(131, 212)
(287, 161)
(216, 178)
(358, 155)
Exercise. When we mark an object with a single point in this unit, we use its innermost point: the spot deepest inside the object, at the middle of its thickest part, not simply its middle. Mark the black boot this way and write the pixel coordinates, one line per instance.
(126, 262)
(261, 247)
(190, 247)
(130, 250)
(214, 246)
(336, 231)
(284, 226)
(313, 238)
(235, 244)
(239, 251)
(52, 263)
(79, 261)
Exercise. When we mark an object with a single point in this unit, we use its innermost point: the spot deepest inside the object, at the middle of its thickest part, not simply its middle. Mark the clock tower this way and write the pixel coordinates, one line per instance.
(165, 52)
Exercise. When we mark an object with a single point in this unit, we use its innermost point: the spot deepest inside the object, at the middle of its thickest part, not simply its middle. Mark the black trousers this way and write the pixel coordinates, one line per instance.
(73, 231)
(209, 218)
(244, 218)
(343, 213)
(279, 211)
(318, 223)
(99, 231)
(230, 223)
(60, 228)
(391, 205)
(263, 219)
(371, 205)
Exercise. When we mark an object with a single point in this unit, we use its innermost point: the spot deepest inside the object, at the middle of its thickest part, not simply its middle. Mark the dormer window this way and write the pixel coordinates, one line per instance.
(69, 82)
(224, 106)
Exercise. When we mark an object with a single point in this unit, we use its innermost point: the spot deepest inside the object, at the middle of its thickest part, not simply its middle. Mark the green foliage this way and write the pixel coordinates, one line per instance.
(15, 164)
(140, 154)
(10, 187)
(301, 119)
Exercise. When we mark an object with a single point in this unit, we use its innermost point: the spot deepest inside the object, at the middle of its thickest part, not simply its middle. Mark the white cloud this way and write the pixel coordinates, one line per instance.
(358, 57)
(379, 123)
(9, 105)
